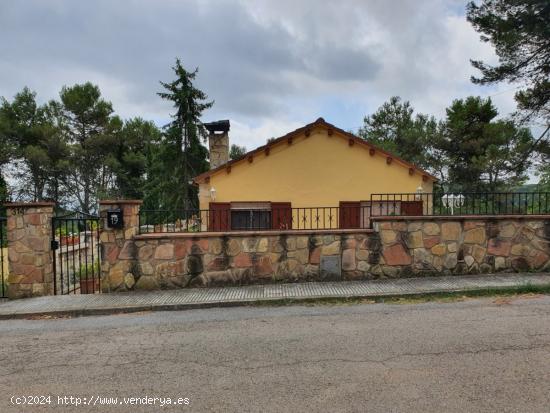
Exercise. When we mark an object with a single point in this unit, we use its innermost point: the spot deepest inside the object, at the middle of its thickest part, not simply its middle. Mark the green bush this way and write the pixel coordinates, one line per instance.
(87, 270)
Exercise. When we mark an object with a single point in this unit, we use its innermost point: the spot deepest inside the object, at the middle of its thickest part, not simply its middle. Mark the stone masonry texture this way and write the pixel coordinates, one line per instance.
(464, 246)
(29, 252)
(396, 248)
(118, 249)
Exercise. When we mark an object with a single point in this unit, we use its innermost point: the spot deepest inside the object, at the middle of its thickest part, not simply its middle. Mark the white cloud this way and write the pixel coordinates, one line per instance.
(252, 137)
(269, 66)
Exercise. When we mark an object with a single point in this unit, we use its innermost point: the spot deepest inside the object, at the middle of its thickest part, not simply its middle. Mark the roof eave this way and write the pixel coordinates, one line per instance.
(319, 122)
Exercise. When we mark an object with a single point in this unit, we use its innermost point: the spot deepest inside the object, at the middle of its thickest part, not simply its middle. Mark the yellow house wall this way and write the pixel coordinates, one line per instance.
(319, 170)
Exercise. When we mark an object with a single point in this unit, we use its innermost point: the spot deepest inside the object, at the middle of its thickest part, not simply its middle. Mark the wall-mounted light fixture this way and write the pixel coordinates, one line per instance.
(453, 201)
(419, 192)
(213, 194)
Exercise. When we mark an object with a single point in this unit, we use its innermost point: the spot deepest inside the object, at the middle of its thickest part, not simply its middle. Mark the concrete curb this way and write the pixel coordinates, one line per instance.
(254, 301)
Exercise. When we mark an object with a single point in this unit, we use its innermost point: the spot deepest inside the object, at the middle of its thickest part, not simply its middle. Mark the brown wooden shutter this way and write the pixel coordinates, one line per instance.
(281, 215)
(415, 208)
(350, 214)
(219, 216)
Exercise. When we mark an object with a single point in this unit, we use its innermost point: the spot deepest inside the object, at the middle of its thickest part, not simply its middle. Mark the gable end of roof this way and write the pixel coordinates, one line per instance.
(320, 122)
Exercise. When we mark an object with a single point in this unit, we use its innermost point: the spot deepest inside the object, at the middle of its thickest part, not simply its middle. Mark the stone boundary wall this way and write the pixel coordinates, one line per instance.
(180, 260)
(467, 245)
(396, 248)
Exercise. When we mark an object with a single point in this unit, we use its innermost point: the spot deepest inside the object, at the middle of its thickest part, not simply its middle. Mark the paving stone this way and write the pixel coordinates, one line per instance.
(475, 236)
(431, 228)
(450, 231)
(164, 252)
(331, 249)
(348, 259)
(396, 255)
(499, 247)
(414, 239)
(439, 249)
(430, 241)
(388, 236)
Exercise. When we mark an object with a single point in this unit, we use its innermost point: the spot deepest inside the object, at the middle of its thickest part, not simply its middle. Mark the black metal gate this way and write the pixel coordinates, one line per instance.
(76, 253)
(3, 258)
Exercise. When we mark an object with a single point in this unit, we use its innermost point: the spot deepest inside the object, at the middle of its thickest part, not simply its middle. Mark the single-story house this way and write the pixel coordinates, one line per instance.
(318, 176)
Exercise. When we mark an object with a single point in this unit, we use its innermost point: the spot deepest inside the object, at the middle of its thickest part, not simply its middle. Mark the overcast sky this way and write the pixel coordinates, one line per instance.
(270, 66)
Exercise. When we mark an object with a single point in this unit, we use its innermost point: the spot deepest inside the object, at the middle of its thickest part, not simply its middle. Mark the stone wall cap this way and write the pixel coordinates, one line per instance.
(28, 204)
(121, 201)
(162, 235)
(457, 217)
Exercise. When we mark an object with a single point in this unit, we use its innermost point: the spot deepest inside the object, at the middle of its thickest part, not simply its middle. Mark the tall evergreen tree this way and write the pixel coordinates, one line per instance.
(395, 128)
(7, 150)
(92, 129)
(483, 154)
(134, 157)
(35, 142)
(519, 30)
(182, 152)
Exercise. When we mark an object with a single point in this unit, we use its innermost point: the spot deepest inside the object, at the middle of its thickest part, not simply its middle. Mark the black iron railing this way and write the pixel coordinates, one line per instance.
(3, 258)
(356, 215)
(76, 253)
(464, 203)
(276, 218)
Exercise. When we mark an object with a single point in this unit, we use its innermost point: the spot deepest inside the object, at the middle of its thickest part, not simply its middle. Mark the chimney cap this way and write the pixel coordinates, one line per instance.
(217, 126)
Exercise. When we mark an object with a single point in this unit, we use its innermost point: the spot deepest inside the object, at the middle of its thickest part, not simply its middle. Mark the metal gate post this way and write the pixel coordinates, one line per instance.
(29, 254)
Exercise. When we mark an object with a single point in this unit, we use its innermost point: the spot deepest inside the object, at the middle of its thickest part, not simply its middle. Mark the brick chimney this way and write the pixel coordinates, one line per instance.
(218, 140)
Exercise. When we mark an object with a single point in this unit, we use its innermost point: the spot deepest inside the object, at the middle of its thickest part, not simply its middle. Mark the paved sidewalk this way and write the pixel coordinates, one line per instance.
(77, 305)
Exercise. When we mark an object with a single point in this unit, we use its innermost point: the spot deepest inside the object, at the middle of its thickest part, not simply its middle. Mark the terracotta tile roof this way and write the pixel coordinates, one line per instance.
(318, 123)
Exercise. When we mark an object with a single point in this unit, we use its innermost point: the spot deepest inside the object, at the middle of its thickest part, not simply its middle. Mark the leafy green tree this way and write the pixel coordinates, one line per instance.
(181, 150)
(22, 122)
(57, 151)
(544, 171)
(394, 128)
(3, 194)
(6, 152)
(519, 30)
(91, 128)
(7, 147)
(483, 154)
(236, 151)
(135, 154)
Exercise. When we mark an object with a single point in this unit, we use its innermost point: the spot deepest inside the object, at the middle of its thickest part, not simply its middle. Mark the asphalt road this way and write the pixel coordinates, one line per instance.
(475, 356)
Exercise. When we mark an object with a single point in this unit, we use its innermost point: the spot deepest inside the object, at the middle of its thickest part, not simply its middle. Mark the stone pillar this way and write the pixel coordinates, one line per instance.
(30, 256)
(118, 250)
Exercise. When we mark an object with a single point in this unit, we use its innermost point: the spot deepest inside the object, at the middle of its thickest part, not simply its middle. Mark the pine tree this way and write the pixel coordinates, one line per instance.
(181, 151)
(91, 129)
(483, 154)
(519, 31)
(395, 128)
(133, 157)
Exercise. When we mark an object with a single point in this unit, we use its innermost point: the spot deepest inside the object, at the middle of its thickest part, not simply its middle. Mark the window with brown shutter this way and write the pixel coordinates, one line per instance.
(219, 216)
(281, 213)
(350, 214)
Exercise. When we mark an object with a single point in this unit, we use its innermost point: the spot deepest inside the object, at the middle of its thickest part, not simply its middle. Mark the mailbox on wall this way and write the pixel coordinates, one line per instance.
(115, 218)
